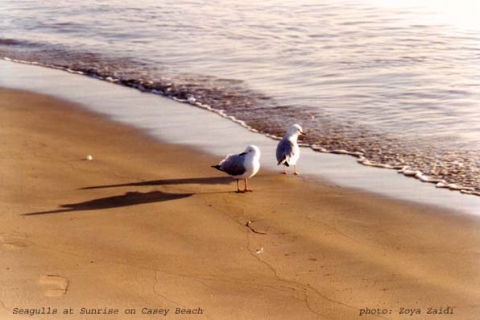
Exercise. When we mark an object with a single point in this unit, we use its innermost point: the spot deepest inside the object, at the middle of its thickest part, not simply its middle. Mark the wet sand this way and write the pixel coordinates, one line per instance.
(148, 226)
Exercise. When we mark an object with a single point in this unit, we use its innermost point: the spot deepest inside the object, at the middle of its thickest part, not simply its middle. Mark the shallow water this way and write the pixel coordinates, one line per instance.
(166, 120)
(394, 84)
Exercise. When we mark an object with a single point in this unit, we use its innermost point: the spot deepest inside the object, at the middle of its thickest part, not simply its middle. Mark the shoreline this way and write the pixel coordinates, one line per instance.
(146, 111)
(150, 224)
(180, 97)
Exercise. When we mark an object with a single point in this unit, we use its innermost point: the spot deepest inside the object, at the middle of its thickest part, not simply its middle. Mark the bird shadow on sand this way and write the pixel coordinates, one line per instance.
(204, 180)
(127, 199)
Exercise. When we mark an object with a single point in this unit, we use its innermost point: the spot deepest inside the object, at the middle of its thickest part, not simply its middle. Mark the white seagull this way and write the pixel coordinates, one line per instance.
(241, 166)
(288, 151)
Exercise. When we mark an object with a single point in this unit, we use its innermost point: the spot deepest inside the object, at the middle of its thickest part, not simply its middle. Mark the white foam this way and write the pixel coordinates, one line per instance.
(165, 119)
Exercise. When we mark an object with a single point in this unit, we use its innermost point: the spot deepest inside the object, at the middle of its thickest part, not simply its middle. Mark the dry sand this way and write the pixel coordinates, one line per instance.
(148, 226)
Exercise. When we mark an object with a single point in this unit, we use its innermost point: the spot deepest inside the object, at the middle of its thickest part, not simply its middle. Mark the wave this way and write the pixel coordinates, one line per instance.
(233, 100)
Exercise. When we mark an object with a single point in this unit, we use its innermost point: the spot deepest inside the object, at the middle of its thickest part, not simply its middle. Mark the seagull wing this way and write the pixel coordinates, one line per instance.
(233, 164)
(285, 150)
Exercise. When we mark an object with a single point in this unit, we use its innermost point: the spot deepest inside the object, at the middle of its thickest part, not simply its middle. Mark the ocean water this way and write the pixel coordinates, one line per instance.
(394, 83)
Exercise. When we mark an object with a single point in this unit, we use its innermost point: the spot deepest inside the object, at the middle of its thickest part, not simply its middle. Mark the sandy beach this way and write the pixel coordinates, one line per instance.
(148, 230)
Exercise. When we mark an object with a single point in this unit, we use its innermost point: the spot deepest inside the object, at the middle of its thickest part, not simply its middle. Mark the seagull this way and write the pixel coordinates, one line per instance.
(288, 151)
(241, 166)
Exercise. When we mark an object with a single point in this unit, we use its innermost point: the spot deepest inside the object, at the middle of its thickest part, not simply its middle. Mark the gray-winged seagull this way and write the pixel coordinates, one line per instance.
(288, 151)
(241, 166)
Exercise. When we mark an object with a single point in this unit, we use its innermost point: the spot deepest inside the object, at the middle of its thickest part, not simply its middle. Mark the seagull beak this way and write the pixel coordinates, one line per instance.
(303, 133)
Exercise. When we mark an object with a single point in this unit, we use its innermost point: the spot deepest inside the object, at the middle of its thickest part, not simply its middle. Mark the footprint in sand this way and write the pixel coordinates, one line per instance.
(55, 286)
(14, 241)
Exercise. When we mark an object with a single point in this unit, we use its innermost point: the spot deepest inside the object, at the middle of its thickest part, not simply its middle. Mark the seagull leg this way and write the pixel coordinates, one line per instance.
(284, 169)
(295, 172)
(246, 187)
(238, 188)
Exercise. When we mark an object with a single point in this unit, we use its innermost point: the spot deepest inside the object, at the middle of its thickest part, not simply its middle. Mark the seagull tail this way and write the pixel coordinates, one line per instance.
(283, 161)
(217, 167)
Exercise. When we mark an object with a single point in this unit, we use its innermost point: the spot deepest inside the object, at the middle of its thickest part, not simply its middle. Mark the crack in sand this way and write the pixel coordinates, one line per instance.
(170, 300)
(255, 255)
(249, 226)
(3, 305)
(62, 286)
(310, 307)
(292, 284)
(161, 295)
(142, 267)
(304, 288)
(335, 301)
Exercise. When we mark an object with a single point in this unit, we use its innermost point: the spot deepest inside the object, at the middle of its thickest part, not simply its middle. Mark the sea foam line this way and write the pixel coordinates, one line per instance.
(192, 100)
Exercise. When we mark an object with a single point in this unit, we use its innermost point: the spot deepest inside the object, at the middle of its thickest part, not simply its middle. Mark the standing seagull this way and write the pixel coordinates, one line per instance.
(241, 166)
(288, 151)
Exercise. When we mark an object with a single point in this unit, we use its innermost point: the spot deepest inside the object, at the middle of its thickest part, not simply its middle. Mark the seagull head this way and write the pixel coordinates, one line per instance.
(252, 150)
(295, 130)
